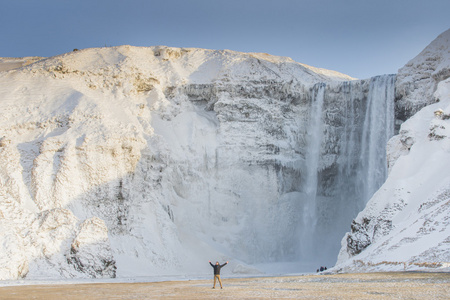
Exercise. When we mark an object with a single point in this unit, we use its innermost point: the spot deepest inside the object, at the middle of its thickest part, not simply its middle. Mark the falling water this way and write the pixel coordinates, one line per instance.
(345, 161)
(378, 129)
(314, 140)
(315, 134)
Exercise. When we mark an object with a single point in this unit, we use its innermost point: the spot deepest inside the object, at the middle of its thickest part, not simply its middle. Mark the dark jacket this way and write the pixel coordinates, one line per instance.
(217, 268)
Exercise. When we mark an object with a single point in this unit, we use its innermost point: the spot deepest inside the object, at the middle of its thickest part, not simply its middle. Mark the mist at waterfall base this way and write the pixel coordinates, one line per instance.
(353, 138)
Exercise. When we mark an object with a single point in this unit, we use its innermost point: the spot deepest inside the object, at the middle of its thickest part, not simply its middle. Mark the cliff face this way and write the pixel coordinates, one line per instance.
(131, 161)
(418, 79)
(405, 225)
(136, 161)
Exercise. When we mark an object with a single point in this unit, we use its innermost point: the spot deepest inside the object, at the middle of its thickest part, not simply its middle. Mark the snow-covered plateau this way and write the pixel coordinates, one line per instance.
(131, 161)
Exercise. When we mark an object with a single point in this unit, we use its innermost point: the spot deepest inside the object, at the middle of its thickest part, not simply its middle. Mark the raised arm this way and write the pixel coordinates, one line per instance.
(224, 264)
(211, 264)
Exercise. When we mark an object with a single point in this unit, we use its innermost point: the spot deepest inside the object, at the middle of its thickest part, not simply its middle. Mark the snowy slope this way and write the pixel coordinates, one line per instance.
(405, 226)
(418, 79)
(10, 63)
(132, 161)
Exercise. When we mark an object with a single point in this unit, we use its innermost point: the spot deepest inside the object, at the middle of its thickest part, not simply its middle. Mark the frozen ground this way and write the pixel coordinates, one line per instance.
(339, 286)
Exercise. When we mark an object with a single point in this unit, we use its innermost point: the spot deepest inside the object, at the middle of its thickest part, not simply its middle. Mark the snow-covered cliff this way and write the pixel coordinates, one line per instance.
(179, 154)
(419, 78)
(128, 161)
(138, 161)
(405, 226)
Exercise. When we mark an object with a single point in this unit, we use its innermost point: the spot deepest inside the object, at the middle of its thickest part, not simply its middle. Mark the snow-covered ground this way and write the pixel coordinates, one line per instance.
(10, 63)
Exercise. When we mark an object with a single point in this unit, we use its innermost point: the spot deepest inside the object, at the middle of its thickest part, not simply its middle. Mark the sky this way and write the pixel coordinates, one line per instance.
(357, 37)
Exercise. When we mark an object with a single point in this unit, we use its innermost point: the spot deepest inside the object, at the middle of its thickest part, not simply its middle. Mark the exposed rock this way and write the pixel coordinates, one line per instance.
(90, 252)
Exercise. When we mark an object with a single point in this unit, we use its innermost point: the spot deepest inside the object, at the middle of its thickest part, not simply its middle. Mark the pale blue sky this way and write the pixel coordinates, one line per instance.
(356, 37)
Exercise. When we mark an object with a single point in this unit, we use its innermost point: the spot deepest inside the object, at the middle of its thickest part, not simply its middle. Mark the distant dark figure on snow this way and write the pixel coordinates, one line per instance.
(321, 269)
(317, 270)
(217, 268)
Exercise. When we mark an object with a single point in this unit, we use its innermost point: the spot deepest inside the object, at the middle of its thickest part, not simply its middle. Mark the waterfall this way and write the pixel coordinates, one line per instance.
(378, 129)
(314, 142)
(315, 134)
(349, 126)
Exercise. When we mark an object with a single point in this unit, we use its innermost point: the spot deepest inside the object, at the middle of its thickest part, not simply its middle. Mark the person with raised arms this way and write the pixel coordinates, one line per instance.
(217, 268)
